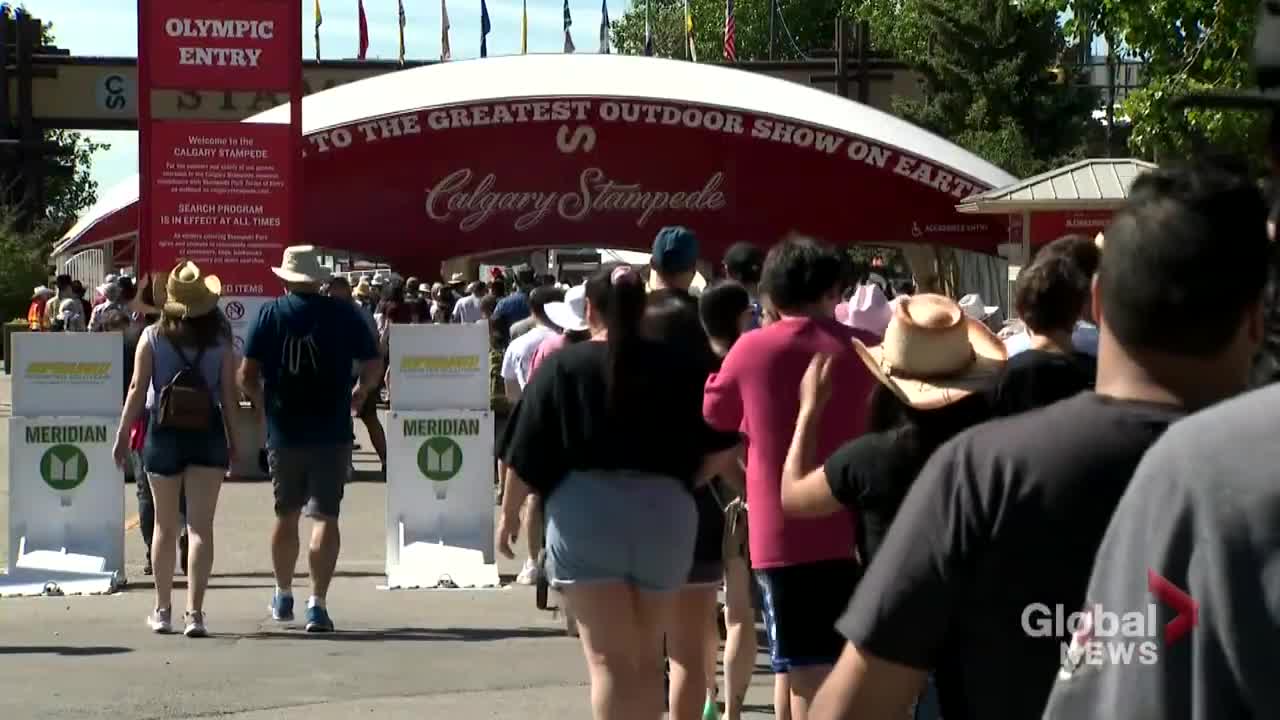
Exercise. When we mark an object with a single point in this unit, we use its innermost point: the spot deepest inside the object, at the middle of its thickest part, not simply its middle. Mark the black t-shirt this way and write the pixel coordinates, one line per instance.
(562, 421)
(1004, 516)
(1036, 378)
(871, 475)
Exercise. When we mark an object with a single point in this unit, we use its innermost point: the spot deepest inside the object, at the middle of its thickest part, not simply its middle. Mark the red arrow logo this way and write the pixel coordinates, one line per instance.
(1174, 597)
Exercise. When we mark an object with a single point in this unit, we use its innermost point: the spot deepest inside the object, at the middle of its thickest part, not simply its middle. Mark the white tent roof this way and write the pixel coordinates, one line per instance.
(593, 75)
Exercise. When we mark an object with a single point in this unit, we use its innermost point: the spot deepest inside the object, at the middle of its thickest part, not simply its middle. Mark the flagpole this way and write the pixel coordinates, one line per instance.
(402, 22)
(319, 21)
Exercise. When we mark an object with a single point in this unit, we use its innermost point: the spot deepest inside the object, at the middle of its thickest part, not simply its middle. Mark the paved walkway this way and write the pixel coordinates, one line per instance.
(411, 655)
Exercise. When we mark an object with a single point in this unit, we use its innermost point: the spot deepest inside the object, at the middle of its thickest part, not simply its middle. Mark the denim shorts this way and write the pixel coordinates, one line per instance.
(620, 526)
(800, 605)
(170, 452)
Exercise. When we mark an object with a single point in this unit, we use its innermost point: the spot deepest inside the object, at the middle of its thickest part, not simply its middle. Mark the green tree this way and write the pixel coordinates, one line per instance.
(811, 24)
(988, 86)
(1188, 46)
(25, 266)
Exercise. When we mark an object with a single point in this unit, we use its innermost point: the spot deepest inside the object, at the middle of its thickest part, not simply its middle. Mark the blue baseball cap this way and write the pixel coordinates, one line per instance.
(675, 250)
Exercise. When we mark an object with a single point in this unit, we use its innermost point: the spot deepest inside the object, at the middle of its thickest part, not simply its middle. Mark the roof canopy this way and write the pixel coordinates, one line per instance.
(799, 159)
(1098, 184)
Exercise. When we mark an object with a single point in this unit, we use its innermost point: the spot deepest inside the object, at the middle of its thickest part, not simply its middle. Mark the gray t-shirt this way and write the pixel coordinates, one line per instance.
(1202, 514)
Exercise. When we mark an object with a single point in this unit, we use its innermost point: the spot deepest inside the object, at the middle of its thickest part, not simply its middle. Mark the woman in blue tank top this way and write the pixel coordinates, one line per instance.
(184, 370)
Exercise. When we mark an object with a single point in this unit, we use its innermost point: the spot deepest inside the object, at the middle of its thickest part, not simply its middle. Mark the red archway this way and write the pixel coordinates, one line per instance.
(600, 151)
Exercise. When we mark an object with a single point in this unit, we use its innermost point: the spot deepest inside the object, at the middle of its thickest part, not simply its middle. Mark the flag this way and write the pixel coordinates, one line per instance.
(568, 23)
(648, 30)
(688, 32)
(364, 31)
(403, 22)
(444, 32)
(319, 22)
(485, 27)
(730, 33)
(524, 29)
(604, 27)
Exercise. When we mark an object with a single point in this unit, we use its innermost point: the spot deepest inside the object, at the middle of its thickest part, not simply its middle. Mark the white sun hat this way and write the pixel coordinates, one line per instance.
(570, 315)
(974, 307)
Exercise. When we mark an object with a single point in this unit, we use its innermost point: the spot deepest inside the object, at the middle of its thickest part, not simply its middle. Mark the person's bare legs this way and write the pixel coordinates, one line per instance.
(782, 696)
(740, 637)
(621, 632)
(695, 607)
(805, 682)
(533, 525)
(202, 485)
(377, 436)
(165, 490)
(284, 549)
(326, 541)
(653, 611)
(711, 654)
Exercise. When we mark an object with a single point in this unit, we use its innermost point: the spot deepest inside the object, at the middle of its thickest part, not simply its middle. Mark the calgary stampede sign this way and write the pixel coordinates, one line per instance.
(582, 171)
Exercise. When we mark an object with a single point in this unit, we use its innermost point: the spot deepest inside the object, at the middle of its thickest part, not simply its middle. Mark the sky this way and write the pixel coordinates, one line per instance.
(110, 27)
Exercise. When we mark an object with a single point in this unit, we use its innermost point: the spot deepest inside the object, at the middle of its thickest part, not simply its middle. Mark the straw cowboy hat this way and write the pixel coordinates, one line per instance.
(301, 264)
(189, 293)
(933, 354)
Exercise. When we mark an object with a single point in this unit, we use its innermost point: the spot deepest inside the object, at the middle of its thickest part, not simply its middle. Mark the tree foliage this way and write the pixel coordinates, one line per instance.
(988, 87)
(1188, 46)
(26, 255)
(67, 198)
(812, 24)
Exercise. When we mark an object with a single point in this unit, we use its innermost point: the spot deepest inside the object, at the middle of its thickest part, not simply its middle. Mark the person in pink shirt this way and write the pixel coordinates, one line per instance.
(806, 568)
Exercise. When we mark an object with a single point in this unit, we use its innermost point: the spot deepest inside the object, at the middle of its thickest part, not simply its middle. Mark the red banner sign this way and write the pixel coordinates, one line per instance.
(434, 184)
(222, 44)
(1049, 226)
(219, 194)
(220, 199)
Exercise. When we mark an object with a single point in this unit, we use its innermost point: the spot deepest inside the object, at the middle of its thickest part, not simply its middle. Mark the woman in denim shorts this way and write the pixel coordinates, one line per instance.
(610, 433)
(193, 336)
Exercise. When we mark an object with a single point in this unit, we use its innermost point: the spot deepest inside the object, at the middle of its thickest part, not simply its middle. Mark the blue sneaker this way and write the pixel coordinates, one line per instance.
(281, 607)
(318, 620)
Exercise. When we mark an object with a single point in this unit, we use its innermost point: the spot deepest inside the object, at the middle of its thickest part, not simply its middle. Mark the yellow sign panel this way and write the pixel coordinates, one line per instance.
(77, 370)
(440, 364)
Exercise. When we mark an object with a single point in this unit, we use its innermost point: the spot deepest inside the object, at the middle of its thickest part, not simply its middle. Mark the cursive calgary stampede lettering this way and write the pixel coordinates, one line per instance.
(476, 200)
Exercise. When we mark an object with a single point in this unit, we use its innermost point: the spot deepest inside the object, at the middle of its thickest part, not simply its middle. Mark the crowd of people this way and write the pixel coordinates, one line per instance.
(914, 476)
(894, 479)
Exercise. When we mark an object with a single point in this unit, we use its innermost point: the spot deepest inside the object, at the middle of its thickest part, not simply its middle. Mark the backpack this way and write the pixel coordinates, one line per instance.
(302, 376)
(186, 403)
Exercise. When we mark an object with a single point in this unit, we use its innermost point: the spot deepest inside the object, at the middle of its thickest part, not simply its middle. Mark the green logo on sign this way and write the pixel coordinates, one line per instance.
(440, 458)
(64, 467)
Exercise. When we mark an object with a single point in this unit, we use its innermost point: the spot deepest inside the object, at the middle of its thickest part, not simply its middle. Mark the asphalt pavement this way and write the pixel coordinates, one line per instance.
(398, 654)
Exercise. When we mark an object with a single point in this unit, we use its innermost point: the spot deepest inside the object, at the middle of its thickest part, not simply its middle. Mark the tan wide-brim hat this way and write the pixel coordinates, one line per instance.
(301, 264)
(933, 354)
(189, 293)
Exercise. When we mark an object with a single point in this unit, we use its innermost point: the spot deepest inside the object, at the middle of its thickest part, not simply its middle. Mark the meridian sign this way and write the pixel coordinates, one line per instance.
(596, 172)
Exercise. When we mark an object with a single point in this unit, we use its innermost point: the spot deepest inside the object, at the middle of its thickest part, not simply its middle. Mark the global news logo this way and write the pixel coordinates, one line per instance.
(1097, 636)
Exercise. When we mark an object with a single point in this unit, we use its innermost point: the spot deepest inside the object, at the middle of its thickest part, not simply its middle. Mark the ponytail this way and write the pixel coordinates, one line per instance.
(618, 295)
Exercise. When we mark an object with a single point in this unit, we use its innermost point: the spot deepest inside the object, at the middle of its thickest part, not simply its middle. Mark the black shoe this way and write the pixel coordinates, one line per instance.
(146, 569)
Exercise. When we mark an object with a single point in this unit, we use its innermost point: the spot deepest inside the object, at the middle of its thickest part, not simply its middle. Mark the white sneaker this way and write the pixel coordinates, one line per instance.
(161, 621)
(195, 626)
(528, 574)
